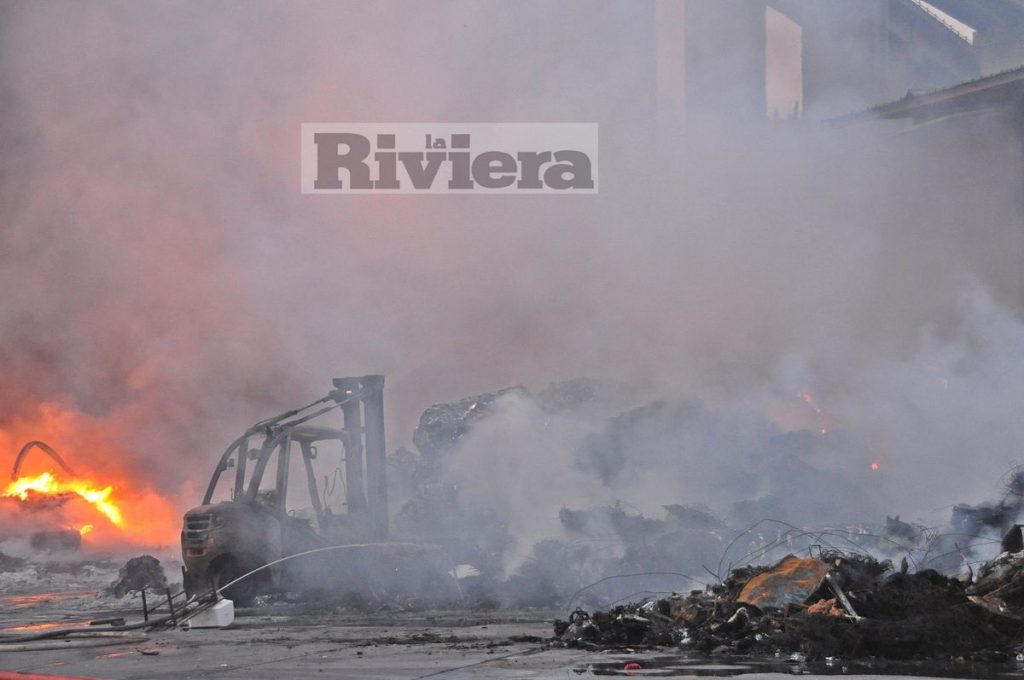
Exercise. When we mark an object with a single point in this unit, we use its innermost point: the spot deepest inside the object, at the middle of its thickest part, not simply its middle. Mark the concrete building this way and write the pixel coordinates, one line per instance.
(717, 59)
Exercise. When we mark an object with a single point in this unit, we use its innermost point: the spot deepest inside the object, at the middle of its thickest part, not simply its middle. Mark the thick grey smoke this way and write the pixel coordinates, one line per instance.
(163, 275)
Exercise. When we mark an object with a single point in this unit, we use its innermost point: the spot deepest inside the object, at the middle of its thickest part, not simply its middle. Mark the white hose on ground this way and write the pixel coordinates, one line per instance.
(330, 548)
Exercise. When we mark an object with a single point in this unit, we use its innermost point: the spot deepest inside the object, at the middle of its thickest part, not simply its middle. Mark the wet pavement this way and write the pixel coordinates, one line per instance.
(294, 642)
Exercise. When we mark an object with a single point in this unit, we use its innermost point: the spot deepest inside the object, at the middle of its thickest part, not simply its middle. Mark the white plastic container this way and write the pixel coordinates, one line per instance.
(219, 615)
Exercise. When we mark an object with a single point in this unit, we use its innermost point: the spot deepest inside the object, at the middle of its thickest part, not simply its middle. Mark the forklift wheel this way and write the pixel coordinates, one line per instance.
(226, 571)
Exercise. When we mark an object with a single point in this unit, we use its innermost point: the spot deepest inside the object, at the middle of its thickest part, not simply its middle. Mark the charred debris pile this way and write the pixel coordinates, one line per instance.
(787, 477)
(828, 605)
(890, 589)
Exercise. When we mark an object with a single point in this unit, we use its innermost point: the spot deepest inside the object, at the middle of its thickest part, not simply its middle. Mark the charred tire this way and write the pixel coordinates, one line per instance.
(189, 585)
(227, 569)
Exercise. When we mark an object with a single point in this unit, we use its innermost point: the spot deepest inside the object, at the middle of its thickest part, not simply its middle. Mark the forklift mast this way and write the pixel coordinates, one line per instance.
(362, 405)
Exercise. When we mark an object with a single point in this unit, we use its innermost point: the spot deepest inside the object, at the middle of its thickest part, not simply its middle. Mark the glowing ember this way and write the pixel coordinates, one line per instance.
(48, 485)
(874, 466)
(806, 397)
(809, 400)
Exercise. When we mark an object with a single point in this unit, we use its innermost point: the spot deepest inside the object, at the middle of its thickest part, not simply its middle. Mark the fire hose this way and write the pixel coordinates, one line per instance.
(47, 449)
(194, 605)
(330, 548)
(91, 631)
(91, 639)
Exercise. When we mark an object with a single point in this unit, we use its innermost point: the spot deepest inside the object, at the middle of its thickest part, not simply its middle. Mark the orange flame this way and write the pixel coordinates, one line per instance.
(48, 485)
(109, 490)
(808, 399)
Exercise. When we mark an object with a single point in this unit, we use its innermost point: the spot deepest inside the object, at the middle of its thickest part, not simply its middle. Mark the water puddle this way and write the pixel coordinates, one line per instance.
(32, 627)
(27, 601)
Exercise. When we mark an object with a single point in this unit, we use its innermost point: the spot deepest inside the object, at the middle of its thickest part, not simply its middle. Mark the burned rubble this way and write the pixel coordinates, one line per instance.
(830, 605)
(139, 574)
(56, 540)
(690, 545)
(686, 577)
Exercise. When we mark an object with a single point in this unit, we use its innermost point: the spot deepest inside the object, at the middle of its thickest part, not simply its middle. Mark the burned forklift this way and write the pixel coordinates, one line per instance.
(260, 513)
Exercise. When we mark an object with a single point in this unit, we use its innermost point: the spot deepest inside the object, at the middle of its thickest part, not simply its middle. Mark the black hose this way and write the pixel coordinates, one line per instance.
(47, 449)
(206, 598)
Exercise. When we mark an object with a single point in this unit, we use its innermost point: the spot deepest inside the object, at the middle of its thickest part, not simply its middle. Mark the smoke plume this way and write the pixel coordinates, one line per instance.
(166, 284)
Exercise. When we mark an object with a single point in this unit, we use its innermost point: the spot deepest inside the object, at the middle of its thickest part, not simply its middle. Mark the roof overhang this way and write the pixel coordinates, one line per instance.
(998, 90)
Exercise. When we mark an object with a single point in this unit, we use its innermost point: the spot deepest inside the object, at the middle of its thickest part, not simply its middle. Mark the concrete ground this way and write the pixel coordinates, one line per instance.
(301, 642)
(291, 647)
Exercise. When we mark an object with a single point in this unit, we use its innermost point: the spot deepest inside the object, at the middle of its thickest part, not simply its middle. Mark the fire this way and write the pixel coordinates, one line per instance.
(809, 400)
(47, 484)
(802, 413)
(99, 482)
(806, 397)
(875, 465)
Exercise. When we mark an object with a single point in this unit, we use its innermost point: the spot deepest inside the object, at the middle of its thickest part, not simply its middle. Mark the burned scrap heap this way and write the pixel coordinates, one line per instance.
(830, 605)
(137, 575)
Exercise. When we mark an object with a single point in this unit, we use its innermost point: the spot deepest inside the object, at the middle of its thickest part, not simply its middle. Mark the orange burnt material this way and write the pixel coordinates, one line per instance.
(791, 581)
(829, 607)
(46, 484)
(107, 503)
